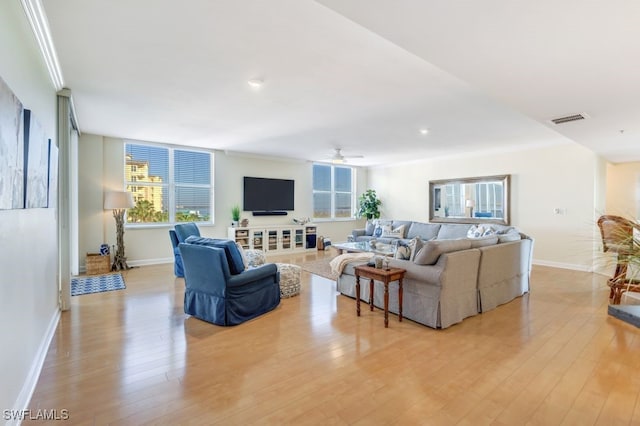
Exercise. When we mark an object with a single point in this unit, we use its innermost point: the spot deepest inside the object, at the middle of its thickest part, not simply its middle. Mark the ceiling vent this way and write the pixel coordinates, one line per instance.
(569, 118)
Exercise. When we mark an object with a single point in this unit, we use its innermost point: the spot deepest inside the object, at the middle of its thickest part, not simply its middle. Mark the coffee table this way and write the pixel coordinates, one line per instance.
(364, 246)
(385, 276)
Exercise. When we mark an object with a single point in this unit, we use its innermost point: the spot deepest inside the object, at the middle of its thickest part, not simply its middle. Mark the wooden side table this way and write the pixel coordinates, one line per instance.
(385, 276)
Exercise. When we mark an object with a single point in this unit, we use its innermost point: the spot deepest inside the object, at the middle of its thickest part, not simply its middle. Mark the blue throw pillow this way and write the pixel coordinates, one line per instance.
(234, 257)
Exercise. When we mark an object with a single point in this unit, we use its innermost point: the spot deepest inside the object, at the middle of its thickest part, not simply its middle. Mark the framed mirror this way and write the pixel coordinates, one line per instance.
(470, 200)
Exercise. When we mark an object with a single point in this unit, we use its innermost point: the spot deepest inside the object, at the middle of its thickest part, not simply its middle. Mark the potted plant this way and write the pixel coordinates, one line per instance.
(369, 205)
(235, 215)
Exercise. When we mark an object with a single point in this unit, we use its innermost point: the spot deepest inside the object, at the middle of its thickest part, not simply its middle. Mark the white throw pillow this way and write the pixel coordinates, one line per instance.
(379, 226)
(479, 231)
(388, 232)
(415, 245)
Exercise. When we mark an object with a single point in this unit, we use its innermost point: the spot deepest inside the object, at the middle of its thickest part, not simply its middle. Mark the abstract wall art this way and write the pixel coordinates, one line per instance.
(11, 150)
(36, 151)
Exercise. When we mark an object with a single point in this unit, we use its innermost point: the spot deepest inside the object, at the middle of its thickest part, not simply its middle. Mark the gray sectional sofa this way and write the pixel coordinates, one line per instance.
(451, 277)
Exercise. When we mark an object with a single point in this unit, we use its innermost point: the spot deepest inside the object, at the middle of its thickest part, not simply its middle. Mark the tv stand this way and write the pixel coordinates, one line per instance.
(270, 213)
(276, 239)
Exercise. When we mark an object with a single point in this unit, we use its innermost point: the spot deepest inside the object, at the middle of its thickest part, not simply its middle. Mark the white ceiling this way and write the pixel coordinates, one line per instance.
(363, 75)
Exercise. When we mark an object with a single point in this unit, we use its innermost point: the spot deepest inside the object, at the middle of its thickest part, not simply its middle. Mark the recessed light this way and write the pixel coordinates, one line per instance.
(255, 83)
(424, 131)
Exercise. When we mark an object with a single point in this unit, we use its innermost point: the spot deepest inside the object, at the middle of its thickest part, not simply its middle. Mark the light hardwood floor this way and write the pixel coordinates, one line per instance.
(551, 357)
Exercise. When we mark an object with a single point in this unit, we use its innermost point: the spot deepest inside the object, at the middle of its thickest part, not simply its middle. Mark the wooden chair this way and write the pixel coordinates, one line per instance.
(617, 237)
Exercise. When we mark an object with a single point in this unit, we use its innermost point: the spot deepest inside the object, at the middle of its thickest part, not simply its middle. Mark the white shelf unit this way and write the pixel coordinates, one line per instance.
(276, 238)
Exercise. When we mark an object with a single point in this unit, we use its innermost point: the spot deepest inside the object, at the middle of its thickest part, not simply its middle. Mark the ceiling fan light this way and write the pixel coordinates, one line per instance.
(338, 161)
(255, 83)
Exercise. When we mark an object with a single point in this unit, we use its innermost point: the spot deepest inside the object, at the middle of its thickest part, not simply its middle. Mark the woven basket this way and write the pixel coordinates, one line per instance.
(97, 264)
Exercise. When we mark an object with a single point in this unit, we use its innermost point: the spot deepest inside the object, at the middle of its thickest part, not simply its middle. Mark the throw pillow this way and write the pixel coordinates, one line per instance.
(415, 245)
(478, 231)
(508, 237)
(431, 251)
(388, 232)
(369, 228)
(379, 225)
(234, 258)
(245, 261)
(403, 252)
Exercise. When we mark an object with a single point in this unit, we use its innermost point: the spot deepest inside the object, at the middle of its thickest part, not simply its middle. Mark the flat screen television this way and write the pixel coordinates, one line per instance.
(268, 195)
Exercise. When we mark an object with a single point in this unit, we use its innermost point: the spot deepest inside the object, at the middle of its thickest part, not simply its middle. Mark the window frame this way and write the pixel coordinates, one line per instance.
(171, 185)
(332, 192)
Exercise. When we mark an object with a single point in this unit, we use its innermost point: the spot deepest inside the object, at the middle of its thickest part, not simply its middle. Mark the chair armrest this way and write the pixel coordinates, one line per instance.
(359, 232)
(251, 275)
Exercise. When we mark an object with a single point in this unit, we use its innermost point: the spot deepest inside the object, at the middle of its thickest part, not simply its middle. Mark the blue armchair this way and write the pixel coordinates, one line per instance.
(214, 294)
(178, 269)
(179, 235)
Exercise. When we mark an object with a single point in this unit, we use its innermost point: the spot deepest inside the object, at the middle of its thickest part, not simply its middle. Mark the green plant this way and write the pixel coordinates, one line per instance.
(369, 205)
(235, 213)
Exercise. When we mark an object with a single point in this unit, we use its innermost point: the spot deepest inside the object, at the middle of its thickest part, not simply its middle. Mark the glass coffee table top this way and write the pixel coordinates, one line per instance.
(364, 246)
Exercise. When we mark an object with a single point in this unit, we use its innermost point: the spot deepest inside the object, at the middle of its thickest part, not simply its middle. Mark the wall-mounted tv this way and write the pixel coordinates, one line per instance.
(268, 195)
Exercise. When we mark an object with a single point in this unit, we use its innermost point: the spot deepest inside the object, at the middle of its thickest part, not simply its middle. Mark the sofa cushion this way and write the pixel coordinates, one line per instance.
(484, 241)
(449, 231)
(431, 251)
(234, 258)
(426, 231)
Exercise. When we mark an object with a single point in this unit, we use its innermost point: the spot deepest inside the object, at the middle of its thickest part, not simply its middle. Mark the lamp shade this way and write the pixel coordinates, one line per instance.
(118, 200)
(470, 203)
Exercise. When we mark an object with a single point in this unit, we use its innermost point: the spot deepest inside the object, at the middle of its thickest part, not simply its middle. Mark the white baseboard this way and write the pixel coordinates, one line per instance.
(147, 262)
(144, 262)
(22, 403)
(561, 265)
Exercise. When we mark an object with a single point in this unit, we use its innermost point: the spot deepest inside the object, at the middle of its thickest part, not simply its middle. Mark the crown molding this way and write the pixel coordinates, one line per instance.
(40, 26)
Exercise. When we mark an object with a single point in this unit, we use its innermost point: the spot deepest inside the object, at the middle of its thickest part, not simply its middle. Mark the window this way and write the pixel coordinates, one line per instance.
(489, 198)
(332, 191)
(168, 185)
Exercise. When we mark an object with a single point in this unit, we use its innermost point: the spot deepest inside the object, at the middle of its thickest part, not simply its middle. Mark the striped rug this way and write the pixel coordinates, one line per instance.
(96, 284)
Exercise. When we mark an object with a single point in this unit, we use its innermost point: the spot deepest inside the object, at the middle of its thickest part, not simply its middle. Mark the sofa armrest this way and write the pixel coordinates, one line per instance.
(359, 232)
(251, 275)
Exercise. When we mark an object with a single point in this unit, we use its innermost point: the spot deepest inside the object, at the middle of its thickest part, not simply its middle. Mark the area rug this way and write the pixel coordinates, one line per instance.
(96, 284)
(320, 267)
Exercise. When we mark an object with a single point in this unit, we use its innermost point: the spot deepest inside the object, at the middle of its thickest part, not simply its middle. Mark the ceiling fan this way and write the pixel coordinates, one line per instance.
(338, 158)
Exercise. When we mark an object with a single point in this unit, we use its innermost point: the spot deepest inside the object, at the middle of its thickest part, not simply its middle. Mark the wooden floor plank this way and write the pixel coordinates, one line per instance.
(551, 357)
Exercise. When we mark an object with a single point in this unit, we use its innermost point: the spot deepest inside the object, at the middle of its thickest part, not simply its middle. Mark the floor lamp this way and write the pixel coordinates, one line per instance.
(119, 202)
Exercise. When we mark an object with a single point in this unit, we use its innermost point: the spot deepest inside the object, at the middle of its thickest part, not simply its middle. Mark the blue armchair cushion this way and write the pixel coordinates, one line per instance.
(234, 257)
(185, 230)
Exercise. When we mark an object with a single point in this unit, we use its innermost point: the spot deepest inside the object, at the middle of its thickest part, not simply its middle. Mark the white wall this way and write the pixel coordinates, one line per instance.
(101, 168)
(623, 190)
(568, 177)
(28, 238)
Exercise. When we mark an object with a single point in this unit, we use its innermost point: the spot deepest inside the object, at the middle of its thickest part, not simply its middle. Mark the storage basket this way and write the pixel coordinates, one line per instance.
(97, 264)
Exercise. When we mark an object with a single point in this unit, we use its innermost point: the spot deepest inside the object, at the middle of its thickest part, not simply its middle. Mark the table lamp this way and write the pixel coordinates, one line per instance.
(470, 204)
(119, 202)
